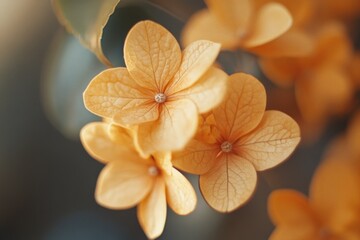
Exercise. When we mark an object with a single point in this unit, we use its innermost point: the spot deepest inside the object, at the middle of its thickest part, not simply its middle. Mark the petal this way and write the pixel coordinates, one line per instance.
(196, 60)
(197, 157)
(123, 184)
(208, 92)
(234, 14)
(151, 211)
(282, 71)
(290, 211)
(113, 90)
(152, 55)
(272, 20)
(143, 113)
(98, 143)
(229, 184)
(180, 194)
(175, 126)
(243, 108)
(272, 141)
(197, 28)
(294, 43)
(335, 192)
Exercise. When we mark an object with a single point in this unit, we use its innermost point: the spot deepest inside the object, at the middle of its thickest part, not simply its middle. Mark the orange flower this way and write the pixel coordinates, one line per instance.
(129, 180)
(162, 90)
(322, 86)
(332, 211)
(237, 139)
(259, 26)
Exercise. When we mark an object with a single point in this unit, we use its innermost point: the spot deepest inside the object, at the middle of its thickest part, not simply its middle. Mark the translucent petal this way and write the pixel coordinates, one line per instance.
(98, 143)
(197, 157)
(175, 126)
(272, 20)
(208, 92)
(197, 58)
(123, 184)
(151, 211)
(180, 194)
(271, 142)
(113, 90)
(197, 28)
(243, 107)
(152, 55)
(229, 184)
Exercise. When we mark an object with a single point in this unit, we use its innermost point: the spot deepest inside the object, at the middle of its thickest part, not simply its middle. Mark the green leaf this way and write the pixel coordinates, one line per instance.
(86, 19)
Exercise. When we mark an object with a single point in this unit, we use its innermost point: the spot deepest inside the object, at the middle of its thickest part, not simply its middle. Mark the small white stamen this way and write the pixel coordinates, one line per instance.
(153, 171)
(160, 98)
(226, 147)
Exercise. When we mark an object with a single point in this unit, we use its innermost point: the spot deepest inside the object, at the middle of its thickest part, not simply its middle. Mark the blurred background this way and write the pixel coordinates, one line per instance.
(47, 180)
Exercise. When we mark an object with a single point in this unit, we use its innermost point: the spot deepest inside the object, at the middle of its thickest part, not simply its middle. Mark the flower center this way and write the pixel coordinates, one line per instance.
(160, 98)
(226, 147)
(153, 171)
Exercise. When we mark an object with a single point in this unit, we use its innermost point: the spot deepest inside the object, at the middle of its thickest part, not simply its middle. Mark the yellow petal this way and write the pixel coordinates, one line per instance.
(197, 157)
(229, 184)
(282, 71)
(272, 20)
(123, 184)
(98, 143)
(272, 141)
(335, 192)
(197, 28)
(243, 107)
(113, 90)
(290, 211)
(146, 112)
(180, 194)
(208, 92)
(152, 55)
(151, 211)
(235, 14)
(196, 60)
(175, 126)
(294, 43)
(163, 161)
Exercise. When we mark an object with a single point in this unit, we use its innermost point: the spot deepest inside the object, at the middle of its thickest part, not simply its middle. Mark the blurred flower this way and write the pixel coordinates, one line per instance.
(238, 138)
(162, 90)
(238, 23)
(343, 10)
(322, 85)
(129, 180)
(332, 211)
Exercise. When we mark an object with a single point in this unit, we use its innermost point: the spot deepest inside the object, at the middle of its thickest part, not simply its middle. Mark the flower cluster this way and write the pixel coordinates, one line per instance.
(153, 120)
(170, 109)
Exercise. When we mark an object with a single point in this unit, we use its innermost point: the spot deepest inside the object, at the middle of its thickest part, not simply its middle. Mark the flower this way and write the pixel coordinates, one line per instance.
(332, 211)
(258, 26)
(238, 138)
(161, 91)
(322, 85)
(128, 179)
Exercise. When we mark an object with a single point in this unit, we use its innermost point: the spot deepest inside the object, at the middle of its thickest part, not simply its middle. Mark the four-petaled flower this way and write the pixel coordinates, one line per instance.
(129, 180)
(162, 90)
(238, 138)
